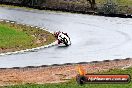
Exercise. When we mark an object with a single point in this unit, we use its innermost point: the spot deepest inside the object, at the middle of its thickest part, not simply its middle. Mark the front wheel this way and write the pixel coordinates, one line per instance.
(65, 41)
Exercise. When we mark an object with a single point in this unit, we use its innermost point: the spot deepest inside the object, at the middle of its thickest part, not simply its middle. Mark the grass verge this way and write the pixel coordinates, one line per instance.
(18, 37)
(73, 84)
(13, 6)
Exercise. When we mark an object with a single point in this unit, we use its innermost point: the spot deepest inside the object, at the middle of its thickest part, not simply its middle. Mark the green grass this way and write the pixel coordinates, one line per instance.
(12, 6)
(18, 37)
(119, 2)
(11, 38)
(73, 84)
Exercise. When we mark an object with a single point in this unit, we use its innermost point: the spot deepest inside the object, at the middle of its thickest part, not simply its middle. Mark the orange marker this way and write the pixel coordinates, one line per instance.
(81, 70)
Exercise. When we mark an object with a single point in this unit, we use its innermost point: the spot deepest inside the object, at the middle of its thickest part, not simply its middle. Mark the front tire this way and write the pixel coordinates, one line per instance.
(65, 41)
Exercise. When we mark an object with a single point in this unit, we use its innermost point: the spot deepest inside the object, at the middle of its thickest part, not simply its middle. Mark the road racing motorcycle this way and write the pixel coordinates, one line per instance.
(63, 38)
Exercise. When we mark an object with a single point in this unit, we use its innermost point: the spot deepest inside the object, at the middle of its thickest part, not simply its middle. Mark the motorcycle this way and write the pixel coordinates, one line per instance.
(63, 39)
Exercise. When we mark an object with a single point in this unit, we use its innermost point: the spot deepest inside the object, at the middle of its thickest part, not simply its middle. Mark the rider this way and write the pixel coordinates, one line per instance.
(56, 34)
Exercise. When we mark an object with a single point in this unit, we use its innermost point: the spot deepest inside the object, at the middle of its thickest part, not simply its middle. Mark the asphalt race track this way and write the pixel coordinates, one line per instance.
(94, 38)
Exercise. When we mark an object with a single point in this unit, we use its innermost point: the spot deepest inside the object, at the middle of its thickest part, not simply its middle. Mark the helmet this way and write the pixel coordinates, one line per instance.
(56, 33)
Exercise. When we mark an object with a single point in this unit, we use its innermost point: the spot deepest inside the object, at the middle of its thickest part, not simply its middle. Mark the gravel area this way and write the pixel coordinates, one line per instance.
(56, 74)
